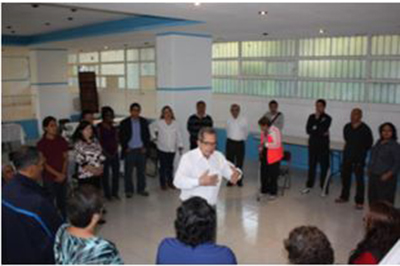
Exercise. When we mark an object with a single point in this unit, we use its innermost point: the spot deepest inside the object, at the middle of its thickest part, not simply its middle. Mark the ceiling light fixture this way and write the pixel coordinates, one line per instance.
(9, 27)
(74, 9)
(265, 34)
(13, 31)
(47, 24)
(70, 18)
(35, 5)
(197, 3)
(262, 13)
(105, 47)
(321, 31)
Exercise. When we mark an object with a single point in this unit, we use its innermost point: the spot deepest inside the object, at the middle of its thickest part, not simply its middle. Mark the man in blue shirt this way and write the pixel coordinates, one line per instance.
(134, 137)
(196, 230)
(29, 218)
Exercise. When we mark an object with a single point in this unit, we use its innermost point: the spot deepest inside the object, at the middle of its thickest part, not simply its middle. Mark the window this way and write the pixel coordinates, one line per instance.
(116, 69)
(335, 68)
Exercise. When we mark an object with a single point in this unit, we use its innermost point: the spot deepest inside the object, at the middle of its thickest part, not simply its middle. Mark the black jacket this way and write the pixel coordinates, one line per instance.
(195, 123)
(358, 141)
(29, 223)
(125, 133)
(318, 130)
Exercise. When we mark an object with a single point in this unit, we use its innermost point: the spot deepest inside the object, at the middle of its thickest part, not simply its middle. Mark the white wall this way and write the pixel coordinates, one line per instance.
(296, 113)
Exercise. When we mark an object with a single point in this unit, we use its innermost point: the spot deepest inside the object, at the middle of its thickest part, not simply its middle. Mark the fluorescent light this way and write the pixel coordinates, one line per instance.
(262, 13)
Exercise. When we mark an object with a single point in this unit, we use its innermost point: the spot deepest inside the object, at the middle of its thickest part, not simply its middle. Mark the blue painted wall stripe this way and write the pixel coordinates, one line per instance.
(30, 126)
(184, 89)
(134, 23)
(49, 83)
(190, 34)
(29, 214)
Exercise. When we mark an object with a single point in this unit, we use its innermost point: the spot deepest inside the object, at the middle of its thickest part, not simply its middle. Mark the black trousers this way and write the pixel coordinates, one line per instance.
(58, 194)
(379, 190)
(111, 164)
(135, 158)
(166, 169)
(235, 151)
(94, 181)
(193, 143)
(269, 177)
(317, 156)
(348, 168)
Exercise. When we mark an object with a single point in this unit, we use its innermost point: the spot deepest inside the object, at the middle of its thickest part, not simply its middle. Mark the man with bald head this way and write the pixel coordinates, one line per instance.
(358, 140)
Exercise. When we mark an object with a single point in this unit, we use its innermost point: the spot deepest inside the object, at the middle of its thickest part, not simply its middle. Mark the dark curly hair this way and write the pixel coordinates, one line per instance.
(309, 245)
(382, 231)
(196, 222)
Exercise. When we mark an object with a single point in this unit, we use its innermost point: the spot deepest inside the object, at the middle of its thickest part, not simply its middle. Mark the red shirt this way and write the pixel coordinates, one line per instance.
(53, 151)
(366, 258)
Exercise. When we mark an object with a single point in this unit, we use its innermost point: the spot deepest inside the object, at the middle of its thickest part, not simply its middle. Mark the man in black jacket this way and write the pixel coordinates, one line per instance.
(134, 137)
(198, 121)
(29, 218)
(318, 145)
(359, 140)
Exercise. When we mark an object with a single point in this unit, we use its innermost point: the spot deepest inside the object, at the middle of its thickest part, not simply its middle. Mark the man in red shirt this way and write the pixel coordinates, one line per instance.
(54, 149)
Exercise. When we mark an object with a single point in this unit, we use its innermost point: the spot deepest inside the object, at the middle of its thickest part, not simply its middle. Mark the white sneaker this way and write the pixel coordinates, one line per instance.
(305, 190)
(323, 194)
(272, 197)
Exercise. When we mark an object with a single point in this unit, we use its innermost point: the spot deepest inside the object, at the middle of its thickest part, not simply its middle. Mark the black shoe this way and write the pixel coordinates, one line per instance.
(108, 198)
(240, 183)
(129, 195)
(102, 221)
(116, 197)
(104, 211)
(144, 193)
(229, 184)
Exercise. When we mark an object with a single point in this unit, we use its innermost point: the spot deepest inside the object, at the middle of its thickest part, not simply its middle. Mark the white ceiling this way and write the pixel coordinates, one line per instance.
(27, 20)
(240, 21)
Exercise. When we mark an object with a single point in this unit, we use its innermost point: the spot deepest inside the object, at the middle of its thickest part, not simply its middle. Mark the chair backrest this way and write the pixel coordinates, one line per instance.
(287, 156)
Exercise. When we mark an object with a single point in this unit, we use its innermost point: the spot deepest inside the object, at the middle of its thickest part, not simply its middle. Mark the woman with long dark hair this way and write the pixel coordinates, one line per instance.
(382, 231)
(384, 165)
(88, 155)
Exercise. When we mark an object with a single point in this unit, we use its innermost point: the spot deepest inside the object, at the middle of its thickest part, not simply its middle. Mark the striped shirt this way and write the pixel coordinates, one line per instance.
(69, 249)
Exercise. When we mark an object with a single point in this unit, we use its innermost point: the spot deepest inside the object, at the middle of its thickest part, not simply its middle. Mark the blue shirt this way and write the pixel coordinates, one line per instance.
(172, 251)
(136, 140)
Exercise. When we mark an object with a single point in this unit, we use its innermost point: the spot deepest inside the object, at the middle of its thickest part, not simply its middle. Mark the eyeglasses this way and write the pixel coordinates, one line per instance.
(208, 143)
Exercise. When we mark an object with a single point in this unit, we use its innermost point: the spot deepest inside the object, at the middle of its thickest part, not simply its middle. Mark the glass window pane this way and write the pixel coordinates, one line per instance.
(147, 69)
(112, 69)
(112, 56)
(72, 58)
(147, 54)
(132, 76)
(132, 55)
(92, 57)
(225, 50)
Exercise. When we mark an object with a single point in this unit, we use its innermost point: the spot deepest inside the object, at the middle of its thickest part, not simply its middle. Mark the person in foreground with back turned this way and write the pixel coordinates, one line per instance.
(29, 218)
(196, 232)
(76, 242)
(200, 171)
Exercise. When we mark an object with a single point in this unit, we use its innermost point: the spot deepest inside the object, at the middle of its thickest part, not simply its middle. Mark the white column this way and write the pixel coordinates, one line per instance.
(49, 82)
(183, 74)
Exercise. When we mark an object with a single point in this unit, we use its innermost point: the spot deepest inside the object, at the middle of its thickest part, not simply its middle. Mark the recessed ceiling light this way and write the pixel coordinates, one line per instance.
(265, 34)
(47, 24)
(35, 5)
(13, 31)
(262, 13)
(197, 3)
(321, 31)
(146, 43)
(9, 27)
(74, 9)
(70, 18)
(105, 47)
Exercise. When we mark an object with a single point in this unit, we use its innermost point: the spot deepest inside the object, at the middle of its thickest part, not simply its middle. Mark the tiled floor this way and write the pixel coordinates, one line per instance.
(254, 230)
